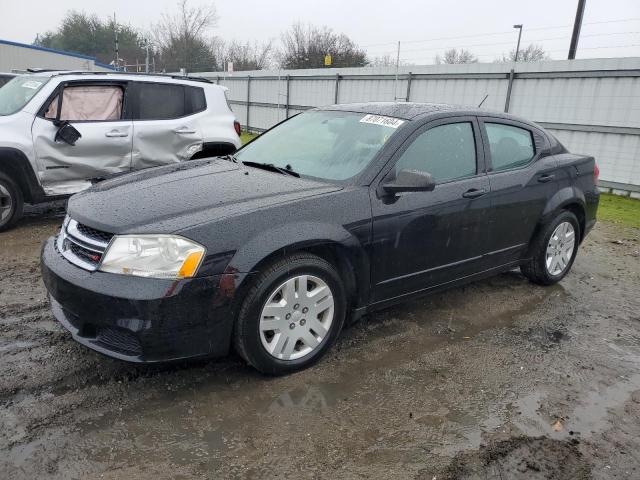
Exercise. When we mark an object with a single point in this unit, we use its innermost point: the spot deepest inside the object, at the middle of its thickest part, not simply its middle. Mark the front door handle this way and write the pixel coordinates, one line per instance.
(474, 193)
(116, 134)
(546, 177)
(183, 131)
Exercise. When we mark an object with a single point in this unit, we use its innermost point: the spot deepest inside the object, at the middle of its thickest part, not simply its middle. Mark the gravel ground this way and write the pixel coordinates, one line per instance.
(500, 379)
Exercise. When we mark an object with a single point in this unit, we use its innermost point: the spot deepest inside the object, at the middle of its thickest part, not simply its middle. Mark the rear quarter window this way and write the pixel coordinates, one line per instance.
(196, 101)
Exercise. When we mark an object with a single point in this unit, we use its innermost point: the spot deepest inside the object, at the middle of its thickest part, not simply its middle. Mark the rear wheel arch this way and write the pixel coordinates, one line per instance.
(214, 149)
(569, 199)
(579, 211)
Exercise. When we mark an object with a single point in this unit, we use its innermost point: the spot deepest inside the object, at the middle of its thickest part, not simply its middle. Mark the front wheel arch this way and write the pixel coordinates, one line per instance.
(334, 253)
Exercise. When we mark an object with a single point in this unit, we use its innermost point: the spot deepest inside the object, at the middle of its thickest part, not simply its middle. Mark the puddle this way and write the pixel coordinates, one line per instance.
(588, 417)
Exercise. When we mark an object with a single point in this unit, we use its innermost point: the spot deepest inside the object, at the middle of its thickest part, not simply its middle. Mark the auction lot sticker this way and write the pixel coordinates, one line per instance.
(32, 84)
(381, 120)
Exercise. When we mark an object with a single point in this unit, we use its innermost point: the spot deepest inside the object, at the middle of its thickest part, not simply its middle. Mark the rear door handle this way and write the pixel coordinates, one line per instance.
(474, 193)
(115, 134)
(546, 177)
(183, 131)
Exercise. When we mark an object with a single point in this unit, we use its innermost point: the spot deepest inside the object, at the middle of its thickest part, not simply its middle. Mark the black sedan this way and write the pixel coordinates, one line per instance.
(329, 215)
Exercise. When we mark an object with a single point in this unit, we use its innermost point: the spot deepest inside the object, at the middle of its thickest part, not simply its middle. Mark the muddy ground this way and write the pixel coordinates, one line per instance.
(497, 380)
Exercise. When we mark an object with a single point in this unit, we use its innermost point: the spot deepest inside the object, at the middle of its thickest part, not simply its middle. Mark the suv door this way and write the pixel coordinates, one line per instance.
(97, 110)
(424, 239)
(166, 127)
(522, 176)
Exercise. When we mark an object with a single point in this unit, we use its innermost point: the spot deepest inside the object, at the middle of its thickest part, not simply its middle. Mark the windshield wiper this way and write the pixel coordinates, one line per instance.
(273, 168)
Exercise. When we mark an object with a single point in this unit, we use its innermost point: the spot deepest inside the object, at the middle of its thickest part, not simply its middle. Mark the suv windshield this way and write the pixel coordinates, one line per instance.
(17, 93)
(330, 145)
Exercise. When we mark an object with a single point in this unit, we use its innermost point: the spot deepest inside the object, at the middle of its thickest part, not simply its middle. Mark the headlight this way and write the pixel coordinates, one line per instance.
(159, 256)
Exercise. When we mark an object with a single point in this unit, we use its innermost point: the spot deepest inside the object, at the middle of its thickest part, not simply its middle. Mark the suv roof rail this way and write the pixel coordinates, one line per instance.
(142, 74)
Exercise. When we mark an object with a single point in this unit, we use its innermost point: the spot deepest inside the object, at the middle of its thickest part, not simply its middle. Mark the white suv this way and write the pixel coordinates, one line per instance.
(62, 131)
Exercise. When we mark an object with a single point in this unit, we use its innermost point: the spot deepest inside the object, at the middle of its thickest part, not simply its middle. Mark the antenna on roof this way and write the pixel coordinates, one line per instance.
(485, 97)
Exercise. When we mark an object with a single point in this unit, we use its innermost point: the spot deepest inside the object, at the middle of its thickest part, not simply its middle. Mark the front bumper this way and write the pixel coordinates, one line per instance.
(139, 319)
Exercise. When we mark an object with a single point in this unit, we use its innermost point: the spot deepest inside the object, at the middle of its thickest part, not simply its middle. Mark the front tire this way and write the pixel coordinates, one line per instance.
(291, 315)
(553, 250)
(11, 202)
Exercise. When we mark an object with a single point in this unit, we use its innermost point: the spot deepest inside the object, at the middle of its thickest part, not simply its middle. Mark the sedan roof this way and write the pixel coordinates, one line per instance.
(412, 110)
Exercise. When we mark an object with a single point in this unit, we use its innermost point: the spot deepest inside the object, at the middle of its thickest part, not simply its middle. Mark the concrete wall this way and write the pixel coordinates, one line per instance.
(592, 106)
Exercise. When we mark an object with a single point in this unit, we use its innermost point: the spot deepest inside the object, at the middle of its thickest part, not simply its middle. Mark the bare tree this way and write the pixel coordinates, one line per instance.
(247, 56)
(454, 55)
(305, 46)
(533, 53)
(182, 38)
(386, 61)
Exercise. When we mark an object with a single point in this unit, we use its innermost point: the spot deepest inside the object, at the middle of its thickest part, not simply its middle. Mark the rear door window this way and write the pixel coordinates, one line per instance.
(160, 101)
(88, 103)
(447, 152)
(510, 146)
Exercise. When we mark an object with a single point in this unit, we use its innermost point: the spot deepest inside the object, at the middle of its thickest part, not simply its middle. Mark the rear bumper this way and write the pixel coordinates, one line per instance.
(139, 319)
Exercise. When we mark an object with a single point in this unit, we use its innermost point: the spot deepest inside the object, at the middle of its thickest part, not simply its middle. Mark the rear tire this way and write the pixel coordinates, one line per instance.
(291, 315)
(553, 249)
(11, 202)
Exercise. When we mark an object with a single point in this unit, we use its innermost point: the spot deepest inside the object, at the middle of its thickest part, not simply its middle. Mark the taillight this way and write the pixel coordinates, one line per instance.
(596, 173)
(236, 125)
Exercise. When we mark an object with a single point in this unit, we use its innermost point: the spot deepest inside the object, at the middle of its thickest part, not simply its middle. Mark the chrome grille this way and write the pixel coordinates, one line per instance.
(82, 245)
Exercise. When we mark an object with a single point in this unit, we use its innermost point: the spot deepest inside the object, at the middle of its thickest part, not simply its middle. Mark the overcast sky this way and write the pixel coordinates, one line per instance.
(426, 27)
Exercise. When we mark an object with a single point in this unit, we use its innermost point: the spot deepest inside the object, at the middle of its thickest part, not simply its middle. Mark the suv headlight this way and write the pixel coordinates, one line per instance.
(158, 256)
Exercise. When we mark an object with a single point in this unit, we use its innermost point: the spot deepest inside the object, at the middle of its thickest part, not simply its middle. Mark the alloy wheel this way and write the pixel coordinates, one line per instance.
(296, 317)
(6, 203)
(560, 248)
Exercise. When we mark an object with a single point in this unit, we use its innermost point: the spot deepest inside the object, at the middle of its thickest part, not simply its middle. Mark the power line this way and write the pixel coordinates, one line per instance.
(500, 33)
(421, 59)
(510, 42)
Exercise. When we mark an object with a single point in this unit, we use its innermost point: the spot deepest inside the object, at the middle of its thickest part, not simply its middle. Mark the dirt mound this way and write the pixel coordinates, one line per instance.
(522, 458)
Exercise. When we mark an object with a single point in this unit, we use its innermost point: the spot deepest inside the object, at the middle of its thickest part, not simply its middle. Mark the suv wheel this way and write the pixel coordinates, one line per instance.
(554, 250)
(11, 202)
(291, 315)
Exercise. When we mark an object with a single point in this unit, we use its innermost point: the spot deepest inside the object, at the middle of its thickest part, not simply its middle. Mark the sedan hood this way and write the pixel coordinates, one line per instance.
(169, 199)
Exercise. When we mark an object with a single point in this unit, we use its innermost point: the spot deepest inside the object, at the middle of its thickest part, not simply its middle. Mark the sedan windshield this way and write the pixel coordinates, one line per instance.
(17, 93)
(331, 145)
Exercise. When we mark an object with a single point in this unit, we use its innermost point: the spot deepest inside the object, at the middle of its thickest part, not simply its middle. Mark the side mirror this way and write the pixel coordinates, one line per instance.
(67, 133)
(410, 181)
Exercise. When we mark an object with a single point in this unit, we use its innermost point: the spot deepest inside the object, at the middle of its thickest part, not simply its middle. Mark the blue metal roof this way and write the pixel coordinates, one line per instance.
(53, 50)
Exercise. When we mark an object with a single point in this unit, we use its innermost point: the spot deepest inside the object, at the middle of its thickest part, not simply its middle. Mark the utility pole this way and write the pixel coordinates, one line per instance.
(519, 27)
(577, 25)
(395, 83)
(146, 60)
(115, 28)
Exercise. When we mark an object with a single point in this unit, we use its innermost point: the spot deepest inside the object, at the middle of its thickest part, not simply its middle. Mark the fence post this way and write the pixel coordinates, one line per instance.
(286, 107)
(508, 100)
(248, 99)
(409, 86)
(336, 89)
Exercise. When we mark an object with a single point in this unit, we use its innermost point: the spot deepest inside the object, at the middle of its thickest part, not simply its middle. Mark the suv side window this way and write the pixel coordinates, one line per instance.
(510, 146)
(447, 152)
(160, 101)
(195, 100)
(87, 103)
